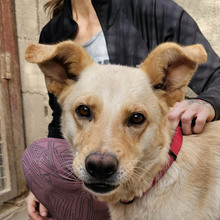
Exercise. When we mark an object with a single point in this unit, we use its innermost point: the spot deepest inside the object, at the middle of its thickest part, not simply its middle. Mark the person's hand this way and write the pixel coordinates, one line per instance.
(36, 211)
(193, 114)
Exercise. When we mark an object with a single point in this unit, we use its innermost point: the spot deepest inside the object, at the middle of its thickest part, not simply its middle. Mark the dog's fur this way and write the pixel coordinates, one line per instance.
(117, 96)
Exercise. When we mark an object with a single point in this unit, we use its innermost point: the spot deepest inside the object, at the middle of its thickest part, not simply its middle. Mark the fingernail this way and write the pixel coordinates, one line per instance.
(44, 214)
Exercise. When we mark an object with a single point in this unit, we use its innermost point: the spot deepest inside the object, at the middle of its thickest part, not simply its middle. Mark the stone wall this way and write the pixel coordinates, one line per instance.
(207, 15)
(31, 18)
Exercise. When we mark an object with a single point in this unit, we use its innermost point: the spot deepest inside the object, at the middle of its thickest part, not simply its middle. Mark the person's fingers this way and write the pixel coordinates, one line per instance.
(43, 211)
(193, 114)
(31, 203)
(175, 114)
(204, 112)
(33, 214)
(187, 119)
(201, 119)
(211, 114)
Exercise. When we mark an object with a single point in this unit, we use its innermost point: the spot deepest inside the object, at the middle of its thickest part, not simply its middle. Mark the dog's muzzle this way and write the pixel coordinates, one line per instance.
(101, 168)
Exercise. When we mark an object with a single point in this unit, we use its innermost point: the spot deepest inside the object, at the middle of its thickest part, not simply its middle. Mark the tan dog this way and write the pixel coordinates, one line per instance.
(115, 119)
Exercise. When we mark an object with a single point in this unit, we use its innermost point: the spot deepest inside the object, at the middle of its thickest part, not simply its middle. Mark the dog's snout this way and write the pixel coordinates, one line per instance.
(101, 165)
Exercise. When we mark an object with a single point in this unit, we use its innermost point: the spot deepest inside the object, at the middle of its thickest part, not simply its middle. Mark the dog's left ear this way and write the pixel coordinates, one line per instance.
(170, 67)
(61, 63)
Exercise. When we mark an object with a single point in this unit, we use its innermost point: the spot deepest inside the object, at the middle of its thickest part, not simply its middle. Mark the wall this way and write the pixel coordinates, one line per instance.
(207, 15)
(31, 18)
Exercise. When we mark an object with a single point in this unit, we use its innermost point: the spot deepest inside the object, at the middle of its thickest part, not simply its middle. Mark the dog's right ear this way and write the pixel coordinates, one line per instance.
(61, 63)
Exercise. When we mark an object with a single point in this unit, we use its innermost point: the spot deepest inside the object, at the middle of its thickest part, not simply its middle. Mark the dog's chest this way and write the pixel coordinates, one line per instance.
(169, 199)
(154, 205)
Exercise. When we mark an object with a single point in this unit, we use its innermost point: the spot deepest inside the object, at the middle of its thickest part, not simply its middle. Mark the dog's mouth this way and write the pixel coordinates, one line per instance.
(100, 187)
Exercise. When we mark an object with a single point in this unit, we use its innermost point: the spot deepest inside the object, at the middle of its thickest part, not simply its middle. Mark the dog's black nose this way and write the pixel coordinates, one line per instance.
(101, 165)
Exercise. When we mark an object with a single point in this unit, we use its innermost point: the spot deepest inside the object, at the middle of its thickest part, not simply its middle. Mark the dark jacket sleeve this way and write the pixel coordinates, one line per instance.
(172, 23)
(54, 126)
(61, 27)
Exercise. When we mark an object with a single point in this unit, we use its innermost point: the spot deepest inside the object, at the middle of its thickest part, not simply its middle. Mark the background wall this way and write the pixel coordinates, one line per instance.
(31, 18)
(207, 15)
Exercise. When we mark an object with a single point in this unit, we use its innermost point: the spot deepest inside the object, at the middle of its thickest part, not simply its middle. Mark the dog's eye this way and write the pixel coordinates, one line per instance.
(83, 112)
(136, 119)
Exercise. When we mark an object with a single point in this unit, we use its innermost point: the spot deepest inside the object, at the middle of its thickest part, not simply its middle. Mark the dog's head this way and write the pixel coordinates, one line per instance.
(115, 117)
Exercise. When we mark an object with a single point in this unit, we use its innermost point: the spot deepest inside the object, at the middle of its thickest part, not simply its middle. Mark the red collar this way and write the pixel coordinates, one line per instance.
(173, 152)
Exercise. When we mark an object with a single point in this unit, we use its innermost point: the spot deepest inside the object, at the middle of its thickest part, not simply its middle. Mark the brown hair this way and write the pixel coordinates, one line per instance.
(54, 7)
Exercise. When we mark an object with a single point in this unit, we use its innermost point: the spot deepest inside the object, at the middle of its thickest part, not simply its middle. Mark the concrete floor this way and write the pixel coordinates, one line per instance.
(14, 211)
(20, 214)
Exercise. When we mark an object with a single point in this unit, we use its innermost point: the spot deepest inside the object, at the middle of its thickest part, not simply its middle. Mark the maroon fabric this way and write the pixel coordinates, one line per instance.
(47, 166)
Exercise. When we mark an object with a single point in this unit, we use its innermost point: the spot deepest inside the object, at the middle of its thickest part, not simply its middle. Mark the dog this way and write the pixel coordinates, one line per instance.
(126, 152)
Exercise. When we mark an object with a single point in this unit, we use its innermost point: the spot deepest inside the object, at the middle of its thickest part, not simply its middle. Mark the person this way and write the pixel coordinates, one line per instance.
(118, 32)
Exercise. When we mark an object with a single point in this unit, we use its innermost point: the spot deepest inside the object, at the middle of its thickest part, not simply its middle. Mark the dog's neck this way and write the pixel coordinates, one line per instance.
(173, 152)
